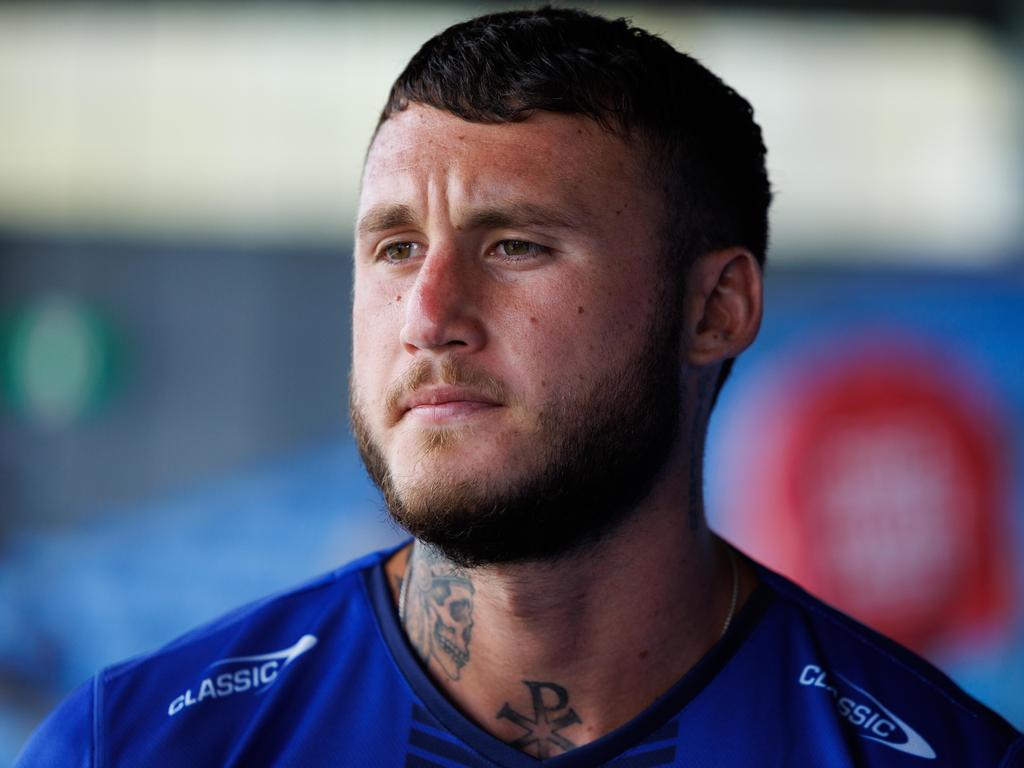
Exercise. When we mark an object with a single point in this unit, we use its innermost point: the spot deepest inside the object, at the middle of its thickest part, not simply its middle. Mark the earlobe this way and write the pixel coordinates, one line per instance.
(723, 307)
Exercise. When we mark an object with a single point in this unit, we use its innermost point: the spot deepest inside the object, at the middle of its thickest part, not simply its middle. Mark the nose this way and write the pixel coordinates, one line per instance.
(441, 314)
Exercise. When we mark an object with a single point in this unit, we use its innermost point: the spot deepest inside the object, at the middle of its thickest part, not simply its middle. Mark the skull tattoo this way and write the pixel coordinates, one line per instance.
(440, 624)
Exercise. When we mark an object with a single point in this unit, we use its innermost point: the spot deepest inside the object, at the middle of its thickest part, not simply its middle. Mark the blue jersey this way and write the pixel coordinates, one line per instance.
(324, 676)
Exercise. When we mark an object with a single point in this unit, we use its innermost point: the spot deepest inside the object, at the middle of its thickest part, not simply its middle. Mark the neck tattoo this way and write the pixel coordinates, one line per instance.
(403, 592)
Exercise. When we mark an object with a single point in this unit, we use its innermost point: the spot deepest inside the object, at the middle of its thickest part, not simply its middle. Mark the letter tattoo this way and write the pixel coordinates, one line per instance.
(551, 714)
(438, 614)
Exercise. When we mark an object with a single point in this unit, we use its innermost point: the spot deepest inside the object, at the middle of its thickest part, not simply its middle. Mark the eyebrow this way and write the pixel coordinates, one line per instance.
(390, 216)
(520, 214)
(381, 218)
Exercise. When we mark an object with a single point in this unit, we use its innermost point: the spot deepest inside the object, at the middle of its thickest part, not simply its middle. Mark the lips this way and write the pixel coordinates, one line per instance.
(438, 391)
(444, 402)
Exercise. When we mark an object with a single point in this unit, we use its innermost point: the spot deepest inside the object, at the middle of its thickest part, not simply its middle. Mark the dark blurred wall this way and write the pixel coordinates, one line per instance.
(219, 356)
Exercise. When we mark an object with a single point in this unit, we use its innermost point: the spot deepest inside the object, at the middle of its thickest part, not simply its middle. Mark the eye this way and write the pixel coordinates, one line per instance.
(519, 250)
(398, 252)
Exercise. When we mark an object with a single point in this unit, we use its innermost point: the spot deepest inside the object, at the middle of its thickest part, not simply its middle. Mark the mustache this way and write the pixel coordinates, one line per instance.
(453, 371)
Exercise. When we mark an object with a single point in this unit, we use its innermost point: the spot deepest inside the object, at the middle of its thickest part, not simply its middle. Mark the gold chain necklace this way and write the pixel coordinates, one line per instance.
(735, 591)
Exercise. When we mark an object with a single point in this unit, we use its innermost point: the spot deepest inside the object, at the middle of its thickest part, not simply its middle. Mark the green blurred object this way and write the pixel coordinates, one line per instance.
(59, 361)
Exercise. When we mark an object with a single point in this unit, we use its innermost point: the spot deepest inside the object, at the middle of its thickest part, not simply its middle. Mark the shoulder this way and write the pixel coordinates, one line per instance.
(65, 738)
(283, 619)
(130, 709)
(877, 689)
(339, 587)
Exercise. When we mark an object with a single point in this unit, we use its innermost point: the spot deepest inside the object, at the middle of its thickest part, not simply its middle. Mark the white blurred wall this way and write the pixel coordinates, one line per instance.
(887, 137)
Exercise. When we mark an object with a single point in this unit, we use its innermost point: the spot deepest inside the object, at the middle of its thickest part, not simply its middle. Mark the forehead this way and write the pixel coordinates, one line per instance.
(548, 158)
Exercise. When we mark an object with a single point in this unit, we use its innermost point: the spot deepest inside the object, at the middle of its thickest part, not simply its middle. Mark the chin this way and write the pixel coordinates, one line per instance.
(440, 440)
(458, 453)
(447, 477)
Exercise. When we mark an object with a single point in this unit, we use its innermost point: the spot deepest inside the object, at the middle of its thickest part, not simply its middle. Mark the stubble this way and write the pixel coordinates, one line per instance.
(596, 454)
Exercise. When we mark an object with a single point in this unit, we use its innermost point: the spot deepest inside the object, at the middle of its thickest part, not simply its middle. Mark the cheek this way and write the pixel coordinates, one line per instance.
(555, 350)
(377, 318)
(598, 334)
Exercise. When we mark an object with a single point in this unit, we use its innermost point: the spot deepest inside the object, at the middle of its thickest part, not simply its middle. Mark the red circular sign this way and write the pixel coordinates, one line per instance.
(881, 489)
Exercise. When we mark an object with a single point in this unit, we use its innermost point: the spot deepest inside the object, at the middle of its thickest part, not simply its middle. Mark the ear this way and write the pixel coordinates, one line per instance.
(722, 311)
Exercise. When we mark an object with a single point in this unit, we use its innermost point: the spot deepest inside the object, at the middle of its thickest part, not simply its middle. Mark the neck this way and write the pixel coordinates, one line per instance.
(582, 644)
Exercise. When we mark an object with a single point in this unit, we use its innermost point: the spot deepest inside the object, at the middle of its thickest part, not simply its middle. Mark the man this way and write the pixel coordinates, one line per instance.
(558, 253)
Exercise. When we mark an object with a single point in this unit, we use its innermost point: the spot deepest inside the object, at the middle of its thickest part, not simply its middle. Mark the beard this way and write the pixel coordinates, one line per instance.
(598, 454)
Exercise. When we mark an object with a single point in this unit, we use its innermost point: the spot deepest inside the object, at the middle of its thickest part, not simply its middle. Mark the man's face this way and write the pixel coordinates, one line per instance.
(515, 330)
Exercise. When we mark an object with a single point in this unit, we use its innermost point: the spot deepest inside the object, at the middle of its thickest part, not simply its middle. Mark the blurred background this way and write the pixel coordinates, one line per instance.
(177, 189)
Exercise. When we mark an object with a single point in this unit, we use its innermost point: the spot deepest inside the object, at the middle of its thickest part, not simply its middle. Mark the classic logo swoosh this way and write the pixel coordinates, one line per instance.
(915, 743)
(289, 654)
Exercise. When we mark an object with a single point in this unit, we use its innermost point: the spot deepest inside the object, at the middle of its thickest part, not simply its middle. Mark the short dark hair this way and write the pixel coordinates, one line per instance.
(702, 142)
